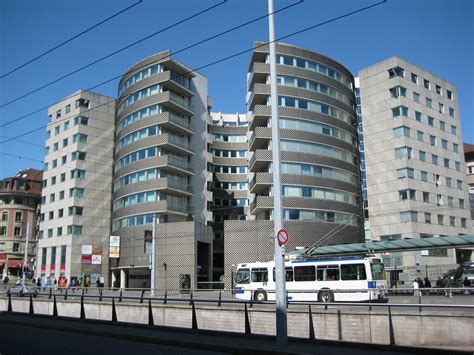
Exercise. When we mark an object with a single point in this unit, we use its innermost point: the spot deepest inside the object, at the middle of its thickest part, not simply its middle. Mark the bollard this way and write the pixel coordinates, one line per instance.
(166, 297)
(191, 298)
(150, 313)
(220, 299)
(247, 321)
(195, 324)
(141, 298)
(50, 293)
(390, 328)
(10, 309)
(55, 307)
(419, 301)
(312, 336)
(32, 311)
(100, 295)
(114, 313)
(65, 295)
(339, 325)
(83, 312)
(120, 297)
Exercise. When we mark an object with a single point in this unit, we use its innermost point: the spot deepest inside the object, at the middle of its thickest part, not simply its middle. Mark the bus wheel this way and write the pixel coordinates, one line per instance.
(260, 296)
(325, 296)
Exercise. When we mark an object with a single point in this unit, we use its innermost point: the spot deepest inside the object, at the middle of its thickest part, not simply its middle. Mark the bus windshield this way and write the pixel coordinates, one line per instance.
(378, 270)
(242, 276)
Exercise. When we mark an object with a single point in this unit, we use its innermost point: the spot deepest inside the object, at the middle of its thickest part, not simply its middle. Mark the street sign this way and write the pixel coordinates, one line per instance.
(282, 237)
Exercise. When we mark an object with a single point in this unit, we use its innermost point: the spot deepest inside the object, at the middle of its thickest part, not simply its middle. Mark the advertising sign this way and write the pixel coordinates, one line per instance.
(87, 249)
(114, 246)
(97, 250)
(62, 268)
(96, 259)
(62, 282)
(86, 259)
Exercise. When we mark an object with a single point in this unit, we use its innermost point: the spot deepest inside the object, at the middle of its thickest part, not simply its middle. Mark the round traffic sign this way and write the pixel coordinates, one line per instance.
(282, 236)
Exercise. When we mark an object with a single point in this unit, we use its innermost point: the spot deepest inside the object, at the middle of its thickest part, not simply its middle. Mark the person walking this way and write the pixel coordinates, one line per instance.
(427, 285)
(467, 284)
(448, 284)
(416, 288)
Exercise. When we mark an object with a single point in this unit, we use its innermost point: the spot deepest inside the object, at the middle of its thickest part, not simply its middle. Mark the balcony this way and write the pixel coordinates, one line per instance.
(259, 138)
(260, 182)
(260, 160)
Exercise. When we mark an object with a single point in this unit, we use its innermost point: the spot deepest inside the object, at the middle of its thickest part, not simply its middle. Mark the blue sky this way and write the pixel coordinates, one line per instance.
(433, 34)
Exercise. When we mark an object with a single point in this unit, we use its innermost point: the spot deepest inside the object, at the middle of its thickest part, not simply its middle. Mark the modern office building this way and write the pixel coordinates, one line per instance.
(160, 168)
(319, 155)
(20, 199)
(469, 157)
(230, 178)
(77, 188)
(416, 183)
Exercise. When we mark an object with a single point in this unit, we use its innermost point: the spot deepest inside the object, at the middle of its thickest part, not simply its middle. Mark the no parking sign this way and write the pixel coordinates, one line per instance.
(282, 237)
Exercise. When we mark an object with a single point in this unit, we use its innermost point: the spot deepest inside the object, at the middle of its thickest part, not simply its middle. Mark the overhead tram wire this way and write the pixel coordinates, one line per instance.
(114, 53)
(188, 72)
(141, 67)
(70, 39)
(145, 38)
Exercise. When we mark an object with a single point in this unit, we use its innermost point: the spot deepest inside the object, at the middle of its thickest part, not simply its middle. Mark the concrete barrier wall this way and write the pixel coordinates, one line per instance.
(411, 328)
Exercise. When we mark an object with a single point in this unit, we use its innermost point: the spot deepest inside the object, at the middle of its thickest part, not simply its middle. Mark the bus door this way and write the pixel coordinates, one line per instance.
(259, 280)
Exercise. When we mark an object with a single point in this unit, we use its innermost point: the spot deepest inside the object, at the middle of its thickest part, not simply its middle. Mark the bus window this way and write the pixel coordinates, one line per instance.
(305, 273)
(378, 270)
(353, 272)
(328, 272)
(288, 274)
(260, 275)
(242, 276)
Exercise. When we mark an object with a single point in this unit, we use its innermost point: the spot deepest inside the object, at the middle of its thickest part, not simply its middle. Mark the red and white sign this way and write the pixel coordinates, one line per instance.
(282, 237)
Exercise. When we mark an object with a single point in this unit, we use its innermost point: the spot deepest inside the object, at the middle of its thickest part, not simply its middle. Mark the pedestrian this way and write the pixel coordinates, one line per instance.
(447, 287)
(427, 285)
(467, 284)
(416, 287)
(439, 284)
(38, 282)
(98, 282)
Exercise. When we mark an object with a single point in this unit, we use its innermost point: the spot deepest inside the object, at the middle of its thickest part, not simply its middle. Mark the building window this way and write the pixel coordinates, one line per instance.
(440, 219)
(78, 174)
(434, 159)
(60, 213)
(450, 95)
(407, 194)
(418, 116)
(400, 111)
(408, 216)
(453, 130)
(396, 71)
(50, 233)
(433, 140)
(442, 126)
(448, 181)
(78, 156)
(51, 198)
(439, 91)
(437, 179)
(81, 120)
(82, 103)
(76, 211)
(429, 102)
(79, 138)
(461, 203)
(55, 147)
(440, 108)
(398, 91)
(430, 121)
(58, 113)
(68, 108)
(402, 131)
(428, 218)
(63, 177)
(74, 229)
(65, 142)
(405, 173)
(459, 184)
(451, 112)
(64, 159)
(59, 231)
(17, 231)
(51, 215)
(439, 200)
(422, 155)
(457, 166)
(414, 78)
(61, 195)
(3, 230)
(66, 125)
(53, 180)
(427, 84)
(16, 247)
(404, 152)
(56, 130)
(4, 216)
(455, 148)
(55, 163)
(416, 97)
(419, 135)
(446, 163)
(463, 222)
(426, 196)
(444, 144)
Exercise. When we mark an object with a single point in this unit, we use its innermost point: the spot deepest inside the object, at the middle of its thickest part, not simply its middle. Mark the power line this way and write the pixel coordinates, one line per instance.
(70, 39)
(112, 54)
(21, 157)
(188, 72)
(146, 65)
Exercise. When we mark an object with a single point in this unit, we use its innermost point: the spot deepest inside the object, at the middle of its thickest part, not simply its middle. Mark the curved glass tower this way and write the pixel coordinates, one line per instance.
(318, 141)
(161, 120)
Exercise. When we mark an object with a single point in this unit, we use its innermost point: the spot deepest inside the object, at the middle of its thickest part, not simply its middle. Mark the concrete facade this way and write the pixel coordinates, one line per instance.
(469, 157)
(416, 182)
(20, 199)
(77, 184)
(161, 157)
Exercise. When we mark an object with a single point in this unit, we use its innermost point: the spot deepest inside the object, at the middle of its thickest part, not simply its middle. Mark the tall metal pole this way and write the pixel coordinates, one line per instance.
(153, 258)
(25, 259)
(280, 292)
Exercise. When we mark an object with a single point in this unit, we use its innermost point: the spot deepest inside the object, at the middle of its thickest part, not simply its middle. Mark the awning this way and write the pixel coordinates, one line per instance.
(14, 263)
(400, 245)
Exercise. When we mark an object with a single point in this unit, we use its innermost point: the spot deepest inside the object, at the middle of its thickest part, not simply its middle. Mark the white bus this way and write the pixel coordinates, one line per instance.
(323, 280)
